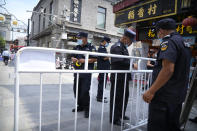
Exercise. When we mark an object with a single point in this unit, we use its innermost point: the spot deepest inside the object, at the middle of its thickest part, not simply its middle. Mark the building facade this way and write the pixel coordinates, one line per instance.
(5, 27)
(145, 13)
(69, 17)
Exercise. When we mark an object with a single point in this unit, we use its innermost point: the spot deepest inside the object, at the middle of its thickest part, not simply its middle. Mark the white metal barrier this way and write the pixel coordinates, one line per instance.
(137, 109)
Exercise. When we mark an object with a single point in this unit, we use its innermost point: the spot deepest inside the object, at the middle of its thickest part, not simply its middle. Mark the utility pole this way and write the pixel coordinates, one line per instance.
(28, 32)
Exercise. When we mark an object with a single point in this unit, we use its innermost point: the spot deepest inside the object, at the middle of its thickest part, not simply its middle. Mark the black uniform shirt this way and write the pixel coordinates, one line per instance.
(175, 50)
(101, 63)
(120, 63)
(87, 47)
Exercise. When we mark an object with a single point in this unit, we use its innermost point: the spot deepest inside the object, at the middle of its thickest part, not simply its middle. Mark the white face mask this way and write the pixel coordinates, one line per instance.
(155, 55)
(107, 44)
(161, 40)
(127, 46)
(79, 41)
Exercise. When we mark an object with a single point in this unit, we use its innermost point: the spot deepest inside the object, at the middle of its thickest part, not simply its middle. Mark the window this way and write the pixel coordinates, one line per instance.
(76, 9)
(121, 30)
(33, 28)
(101, 17)
(50, 11)
(44, 17)
(39, 23)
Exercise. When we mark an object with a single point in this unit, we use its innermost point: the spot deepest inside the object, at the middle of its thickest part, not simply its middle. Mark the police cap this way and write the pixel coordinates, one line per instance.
(107, 39)
(166, 24)
(130, 33)
(82, 34)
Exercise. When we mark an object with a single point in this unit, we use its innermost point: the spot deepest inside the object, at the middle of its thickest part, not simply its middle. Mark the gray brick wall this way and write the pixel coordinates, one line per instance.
(88, 16)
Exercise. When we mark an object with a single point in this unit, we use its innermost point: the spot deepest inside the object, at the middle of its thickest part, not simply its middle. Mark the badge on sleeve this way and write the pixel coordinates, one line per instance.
(164, 46)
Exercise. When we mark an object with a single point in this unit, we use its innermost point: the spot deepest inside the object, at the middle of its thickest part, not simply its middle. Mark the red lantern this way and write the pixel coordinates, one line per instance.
(190, 21)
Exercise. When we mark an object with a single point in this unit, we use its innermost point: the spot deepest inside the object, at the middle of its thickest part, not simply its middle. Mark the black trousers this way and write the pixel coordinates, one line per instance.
(101, 85)
(83, 90)
(118, 107)
(5, 58)
(164, 116)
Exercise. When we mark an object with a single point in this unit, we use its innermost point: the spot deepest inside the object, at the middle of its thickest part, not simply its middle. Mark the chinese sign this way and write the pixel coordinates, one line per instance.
(145, 11)
(181, 29)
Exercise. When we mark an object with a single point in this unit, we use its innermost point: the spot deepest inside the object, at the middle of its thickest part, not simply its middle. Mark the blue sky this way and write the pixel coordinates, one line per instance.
(19, 7)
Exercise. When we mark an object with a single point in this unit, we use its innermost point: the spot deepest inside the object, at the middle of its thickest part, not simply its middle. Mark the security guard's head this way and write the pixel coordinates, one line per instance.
(105, 41)
(82, 38)
(165, 27)
(129, 36)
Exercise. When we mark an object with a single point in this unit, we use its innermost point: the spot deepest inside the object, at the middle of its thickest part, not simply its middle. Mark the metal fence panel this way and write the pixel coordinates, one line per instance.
(136, 106)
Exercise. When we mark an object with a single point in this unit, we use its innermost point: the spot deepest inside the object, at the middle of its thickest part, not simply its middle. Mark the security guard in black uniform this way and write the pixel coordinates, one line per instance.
(170, 79)
(120, 48)
(102, 64)
(84, 78)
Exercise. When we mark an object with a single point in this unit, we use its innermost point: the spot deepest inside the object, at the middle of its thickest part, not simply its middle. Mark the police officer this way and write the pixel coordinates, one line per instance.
(102, 64)
(120, 48)
(84, 78)
(170, 79)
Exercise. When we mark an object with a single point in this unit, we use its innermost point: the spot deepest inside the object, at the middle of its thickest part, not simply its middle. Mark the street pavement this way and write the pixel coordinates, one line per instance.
(29, 104)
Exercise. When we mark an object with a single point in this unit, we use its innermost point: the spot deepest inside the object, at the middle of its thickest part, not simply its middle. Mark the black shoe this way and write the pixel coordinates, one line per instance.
(79, 109)
(86, 114)
(101, 100)
(118, 123)
(126, 118)
(194, 120)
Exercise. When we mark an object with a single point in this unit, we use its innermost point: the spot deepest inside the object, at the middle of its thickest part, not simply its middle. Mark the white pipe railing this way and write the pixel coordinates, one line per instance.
(141, 75)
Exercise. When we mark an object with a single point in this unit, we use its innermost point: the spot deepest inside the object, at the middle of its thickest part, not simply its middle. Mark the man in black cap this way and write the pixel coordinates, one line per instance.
(170, 79)
(84, 78)
(102, 64)
(120, 48)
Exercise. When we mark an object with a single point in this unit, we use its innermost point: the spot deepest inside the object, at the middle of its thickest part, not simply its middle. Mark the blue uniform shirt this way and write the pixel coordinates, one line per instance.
(101, 63)
(175, 50)
(120, 63)
(87, 47)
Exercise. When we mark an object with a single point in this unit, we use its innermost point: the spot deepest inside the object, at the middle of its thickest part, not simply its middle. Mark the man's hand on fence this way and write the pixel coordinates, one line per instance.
(81, 60)
(148, 96)
(74, 59)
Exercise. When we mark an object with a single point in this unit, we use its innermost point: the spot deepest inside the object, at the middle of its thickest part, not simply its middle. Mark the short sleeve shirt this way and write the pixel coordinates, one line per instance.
(175, 50)
(87, 47)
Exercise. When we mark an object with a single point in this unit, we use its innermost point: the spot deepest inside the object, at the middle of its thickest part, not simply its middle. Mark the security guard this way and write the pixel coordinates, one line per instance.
(170, 79)
(120, 48)
(84, 78)
(102, 64)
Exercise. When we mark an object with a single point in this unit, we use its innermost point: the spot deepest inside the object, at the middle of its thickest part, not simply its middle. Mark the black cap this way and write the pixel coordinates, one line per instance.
(166, 24)
(130, 33)
(82, 34)
(107, 39)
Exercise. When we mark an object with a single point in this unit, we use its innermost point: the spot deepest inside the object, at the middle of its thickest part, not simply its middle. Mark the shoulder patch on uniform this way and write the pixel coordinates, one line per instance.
(164, 46)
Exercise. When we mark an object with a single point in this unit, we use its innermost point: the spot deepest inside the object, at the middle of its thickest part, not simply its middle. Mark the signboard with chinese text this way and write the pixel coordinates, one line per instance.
(181, 29)
(145, 11)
